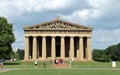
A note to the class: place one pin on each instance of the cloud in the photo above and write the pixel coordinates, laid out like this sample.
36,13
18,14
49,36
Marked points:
103,15
103,38
19,43
104,35
29,6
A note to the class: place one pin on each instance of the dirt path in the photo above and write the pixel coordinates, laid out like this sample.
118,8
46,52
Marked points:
61,66
57,67
6,69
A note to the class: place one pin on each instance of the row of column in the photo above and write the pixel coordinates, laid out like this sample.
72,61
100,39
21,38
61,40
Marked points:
71,55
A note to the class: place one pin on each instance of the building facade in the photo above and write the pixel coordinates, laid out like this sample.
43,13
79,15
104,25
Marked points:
57,39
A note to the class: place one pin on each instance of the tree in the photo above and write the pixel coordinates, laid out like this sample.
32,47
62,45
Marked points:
113,52
99,55
19,55
110,53
6,38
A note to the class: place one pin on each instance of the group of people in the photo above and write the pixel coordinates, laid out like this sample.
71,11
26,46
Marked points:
59,61
56,61
44,63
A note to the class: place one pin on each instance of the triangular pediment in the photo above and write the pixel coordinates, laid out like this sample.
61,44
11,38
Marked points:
57,25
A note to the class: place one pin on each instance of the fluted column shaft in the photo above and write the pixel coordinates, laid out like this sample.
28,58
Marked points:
26,48
34,50
44,47
53,47
72,47
81,47
89,55
62,47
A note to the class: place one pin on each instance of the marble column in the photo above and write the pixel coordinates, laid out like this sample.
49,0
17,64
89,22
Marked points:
72,47
34,50
53,47
81,47
26,57
62,54
43,47
89,55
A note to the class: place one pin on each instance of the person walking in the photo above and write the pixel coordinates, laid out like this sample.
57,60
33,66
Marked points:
51,63
44,64
36,63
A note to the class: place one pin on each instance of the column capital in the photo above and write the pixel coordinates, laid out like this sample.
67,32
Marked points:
72,36
26,36
34,36
53,36
44,36
80,36
62,36
89,37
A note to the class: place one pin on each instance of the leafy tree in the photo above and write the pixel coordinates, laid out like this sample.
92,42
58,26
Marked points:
20,53
99,55
113,52
110,53
6,38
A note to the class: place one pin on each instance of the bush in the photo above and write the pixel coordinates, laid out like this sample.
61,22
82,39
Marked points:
102,59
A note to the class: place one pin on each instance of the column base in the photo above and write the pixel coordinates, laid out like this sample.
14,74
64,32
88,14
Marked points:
66,59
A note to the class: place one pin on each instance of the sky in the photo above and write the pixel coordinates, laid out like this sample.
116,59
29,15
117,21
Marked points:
102,15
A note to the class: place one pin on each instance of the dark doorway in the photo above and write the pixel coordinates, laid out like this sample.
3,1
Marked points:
85,46
48,45
76,46
58,46
30,47
67,46
39,46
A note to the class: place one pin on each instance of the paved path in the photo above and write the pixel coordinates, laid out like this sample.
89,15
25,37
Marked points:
61,66
10,69
6,69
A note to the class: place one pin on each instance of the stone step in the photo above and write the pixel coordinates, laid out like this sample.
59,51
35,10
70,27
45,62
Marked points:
61,66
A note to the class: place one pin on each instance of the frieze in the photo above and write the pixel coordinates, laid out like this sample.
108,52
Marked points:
57,25
54,31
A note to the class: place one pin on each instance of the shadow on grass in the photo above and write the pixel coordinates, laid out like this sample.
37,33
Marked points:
9,63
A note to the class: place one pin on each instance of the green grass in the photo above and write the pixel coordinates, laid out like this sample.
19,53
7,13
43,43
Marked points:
94,65
78,68
61,72
20,64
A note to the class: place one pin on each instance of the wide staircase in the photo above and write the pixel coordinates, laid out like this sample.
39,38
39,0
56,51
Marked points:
61,66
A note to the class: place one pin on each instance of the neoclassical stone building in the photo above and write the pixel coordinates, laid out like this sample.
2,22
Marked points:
57,39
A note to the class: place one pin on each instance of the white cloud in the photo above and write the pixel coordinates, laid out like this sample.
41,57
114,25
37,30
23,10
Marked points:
102,14
104,35
103,38
97,3
19,42
13,7
84,16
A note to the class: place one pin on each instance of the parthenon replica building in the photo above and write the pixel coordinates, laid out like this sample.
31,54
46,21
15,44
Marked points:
58,39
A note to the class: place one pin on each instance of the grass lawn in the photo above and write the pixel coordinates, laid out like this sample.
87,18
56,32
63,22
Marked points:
94,65
78,68
20,64
61,72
